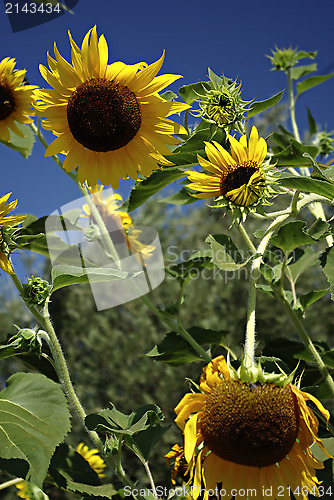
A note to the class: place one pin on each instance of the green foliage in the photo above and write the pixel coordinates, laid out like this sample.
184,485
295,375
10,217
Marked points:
33,415
22,145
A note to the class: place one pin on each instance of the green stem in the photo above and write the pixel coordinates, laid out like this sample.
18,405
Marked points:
292,102
12,482
307,341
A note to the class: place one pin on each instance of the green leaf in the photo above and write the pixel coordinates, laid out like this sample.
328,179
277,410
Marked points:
182,197
65,275
312,126
34,419
169,95
259,106
192,92
291,235
225,254
303,260
145,440
112,420
174,350
299,71
311,297
327,264
301,54
22,145
192,266
311,82
307,185
143,190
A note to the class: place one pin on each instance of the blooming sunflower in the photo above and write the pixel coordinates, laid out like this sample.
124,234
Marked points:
109,209
15,99
5,220
238,177
110,120
92,457
249,436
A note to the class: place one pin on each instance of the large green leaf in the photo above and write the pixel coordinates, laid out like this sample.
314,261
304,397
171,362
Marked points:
22,145
312,81
34,419
259,106
182,197
299,71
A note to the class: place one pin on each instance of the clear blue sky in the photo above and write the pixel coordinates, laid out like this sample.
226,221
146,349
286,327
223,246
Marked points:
230,37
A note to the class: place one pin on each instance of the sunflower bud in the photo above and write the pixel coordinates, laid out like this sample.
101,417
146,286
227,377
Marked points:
36,291
325,141
221,104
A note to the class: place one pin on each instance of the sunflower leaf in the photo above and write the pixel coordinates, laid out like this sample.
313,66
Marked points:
299,71
311,82
174,350
327,264
291,235
34,418
307,185
182,197
225,254
143,190
192,92
65,275
259,106
22,145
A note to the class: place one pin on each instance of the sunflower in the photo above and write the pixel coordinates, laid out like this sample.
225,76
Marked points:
238,177
15,99
249,436
109,120
92,457
109,209
11,221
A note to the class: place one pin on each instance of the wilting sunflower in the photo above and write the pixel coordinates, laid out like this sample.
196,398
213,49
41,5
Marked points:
109,119
15,99
238,177
249,436
119,220
7,221
93,458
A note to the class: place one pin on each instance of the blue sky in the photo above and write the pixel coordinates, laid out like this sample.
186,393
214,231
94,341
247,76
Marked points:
229,37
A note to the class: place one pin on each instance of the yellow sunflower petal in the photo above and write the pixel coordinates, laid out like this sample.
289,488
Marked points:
191,403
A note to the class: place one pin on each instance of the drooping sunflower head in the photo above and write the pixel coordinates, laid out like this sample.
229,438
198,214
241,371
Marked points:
7,229
109,119
238,179
93,458
16,99
246,434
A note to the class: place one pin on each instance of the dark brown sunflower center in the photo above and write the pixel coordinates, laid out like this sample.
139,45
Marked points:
7,103
103,115
237,178
253,425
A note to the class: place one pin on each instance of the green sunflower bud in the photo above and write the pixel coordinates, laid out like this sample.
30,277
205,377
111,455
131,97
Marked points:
36,291
325,141
284,59
221,104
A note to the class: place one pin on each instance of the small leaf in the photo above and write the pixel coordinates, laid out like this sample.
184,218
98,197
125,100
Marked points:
327,264
257,107
225,254
143,190
169,95
182,197
307,185
303,260
312,126
174,350
192,92
299,71
291,235
311,82
22,145
311,297
34,419
65,275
